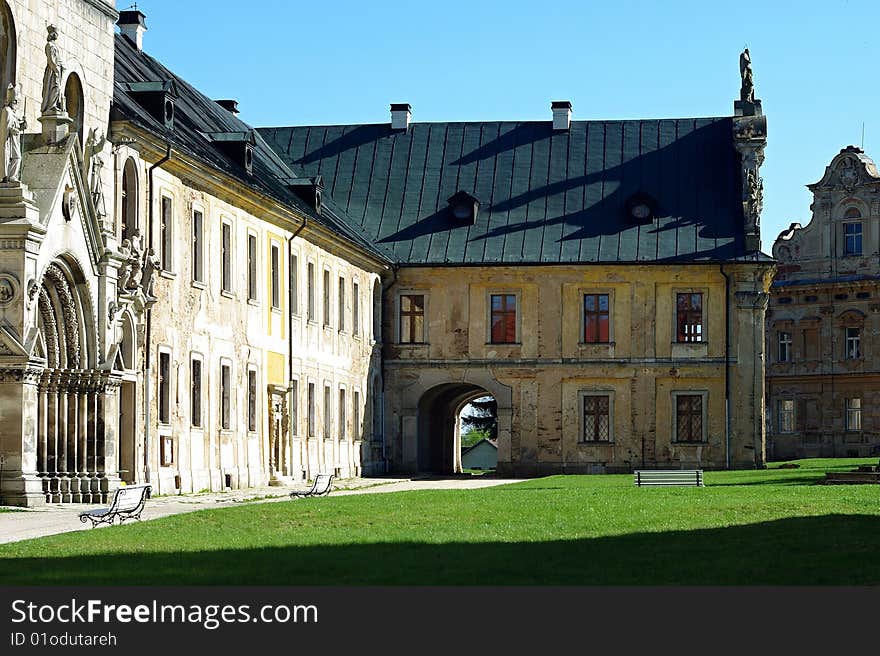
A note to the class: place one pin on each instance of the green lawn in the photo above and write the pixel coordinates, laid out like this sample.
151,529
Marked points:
771,527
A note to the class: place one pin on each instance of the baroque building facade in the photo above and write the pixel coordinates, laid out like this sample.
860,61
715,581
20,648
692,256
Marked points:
823,372
191,302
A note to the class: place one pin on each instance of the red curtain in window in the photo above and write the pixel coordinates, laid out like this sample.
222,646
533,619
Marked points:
596,317
503,318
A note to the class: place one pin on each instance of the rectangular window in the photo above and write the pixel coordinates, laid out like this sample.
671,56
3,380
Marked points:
252,400
786,416
167,451
328,413
356,415
342,417
597,418
784,340
412,319
596,318
341,303
164,388
294,284
225,383
689,317
355,309
854,414
689,417
276,276
252,267
166,218
226,257
310,282
198,272
503,319
294,407
326,290
852,234
196,392
853,343
311,409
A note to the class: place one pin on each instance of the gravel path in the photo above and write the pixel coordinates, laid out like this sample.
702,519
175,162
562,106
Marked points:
63,518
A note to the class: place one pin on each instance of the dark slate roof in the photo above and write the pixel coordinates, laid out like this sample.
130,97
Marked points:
195,115
545,196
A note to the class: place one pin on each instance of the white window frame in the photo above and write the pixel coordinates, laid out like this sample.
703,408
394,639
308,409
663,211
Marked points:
255,370
230,290
225,362
861,236
704,314
853,414
195,356
275,271
166,232
784,346
252,284
849,342
198,243
328,410
294,280
789,426
163,350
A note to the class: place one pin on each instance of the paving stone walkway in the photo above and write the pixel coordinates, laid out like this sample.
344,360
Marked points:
64,517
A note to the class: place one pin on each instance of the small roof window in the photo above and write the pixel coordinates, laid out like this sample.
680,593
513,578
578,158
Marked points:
464,207
641,208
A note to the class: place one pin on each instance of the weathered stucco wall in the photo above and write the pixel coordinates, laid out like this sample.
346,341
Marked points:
538,381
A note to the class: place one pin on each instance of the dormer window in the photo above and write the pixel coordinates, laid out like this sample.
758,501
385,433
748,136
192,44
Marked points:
641,208
309,190
464,208
157,98
237,146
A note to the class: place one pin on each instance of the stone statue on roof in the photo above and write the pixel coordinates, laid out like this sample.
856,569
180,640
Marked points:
11,127
53,97
747,90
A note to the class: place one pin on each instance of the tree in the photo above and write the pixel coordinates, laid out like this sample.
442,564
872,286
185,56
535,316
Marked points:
481,415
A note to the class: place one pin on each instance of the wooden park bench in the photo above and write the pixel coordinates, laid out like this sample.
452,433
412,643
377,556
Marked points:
644,477
320,487
128,503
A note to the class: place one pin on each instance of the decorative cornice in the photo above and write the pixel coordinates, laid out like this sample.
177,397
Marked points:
104,8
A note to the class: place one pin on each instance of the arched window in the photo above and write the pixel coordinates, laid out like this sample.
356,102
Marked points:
7,48
852,213
129,200
73,95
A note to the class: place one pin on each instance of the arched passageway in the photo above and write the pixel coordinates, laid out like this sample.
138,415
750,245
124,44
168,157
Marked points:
439,433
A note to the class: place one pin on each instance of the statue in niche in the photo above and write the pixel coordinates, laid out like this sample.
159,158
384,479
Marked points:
53,97
151,266
747,90
11,127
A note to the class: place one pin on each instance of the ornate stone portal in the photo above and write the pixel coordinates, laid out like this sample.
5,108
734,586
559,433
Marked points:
279,451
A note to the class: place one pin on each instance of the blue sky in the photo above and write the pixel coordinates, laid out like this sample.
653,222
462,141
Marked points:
290,63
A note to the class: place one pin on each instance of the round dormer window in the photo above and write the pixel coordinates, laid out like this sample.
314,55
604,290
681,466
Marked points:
641,212
461,211
169,111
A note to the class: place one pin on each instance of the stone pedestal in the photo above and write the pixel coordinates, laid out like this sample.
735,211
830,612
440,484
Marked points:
746,108
19,483
56,127
17,202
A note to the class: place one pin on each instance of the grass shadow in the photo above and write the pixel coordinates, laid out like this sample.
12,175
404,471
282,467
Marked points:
833,549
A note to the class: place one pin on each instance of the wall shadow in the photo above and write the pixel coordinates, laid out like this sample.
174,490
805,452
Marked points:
821,550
